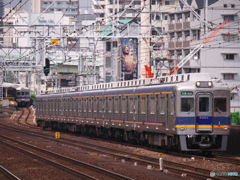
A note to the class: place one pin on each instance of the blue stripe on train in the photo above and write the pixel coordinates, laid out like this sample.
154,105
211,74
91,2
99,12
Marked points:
191,120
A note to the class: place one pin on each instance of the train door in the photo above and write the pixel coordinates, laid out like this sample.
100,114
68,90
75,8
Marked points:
143,108
84,105
167,111
124,113
116,108
170,112
95,108
109,110
204,120
152,108
89,108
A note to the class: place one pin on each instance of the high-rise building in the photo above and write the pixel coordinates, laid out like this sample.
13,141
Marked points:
35,6
64,6
220,56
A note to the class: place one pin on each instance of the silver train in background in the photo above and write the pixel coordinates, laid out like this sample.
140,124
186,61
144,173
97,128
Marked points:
23,96
188,112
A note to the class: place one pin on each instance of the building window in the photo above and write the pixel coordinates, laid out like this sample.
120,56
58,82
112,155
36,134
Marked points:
73,9
172,20
196,56
108,46
165,17
171,37
228,76
108,62
102,15
59,10
169,2
137,2
108,77
179,36
187,35
45,2
114,43
187,17
110,1
232,5
179,18
231,17
110,10
186,52
179,54
196,34
229,56
225,5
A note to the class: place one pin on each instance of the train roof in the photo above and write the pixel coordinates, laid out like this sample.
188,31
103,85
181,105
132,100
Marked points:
168,83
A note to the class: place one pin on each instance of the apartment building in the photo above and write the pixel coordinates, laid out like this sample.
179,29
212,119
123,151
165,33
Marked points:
105,9
64,6
221,55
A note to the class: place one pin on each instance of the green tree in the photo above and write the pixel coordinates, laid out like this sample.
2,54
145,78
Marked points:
235,118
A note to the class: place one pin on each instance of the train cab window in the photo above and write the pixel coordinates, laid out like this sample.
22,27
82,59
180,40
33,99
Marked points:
131,105
18,93
203,104
110,105
95,105
143,105
124,105
220,104
162,105
22,93
89,105
116,105
187,104
152,105
27,93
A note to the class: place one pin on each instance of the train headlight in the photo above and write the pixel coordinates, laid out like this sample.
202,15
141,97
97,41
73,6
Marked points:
209,84
198,84
225,128
182,128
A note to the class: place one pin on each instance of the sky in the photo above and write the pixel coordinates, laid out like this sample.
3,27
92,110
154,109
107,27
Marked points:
84,4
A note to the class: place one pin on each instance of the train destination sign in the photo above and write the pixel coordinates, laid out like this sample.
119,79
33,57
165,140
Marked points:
186,93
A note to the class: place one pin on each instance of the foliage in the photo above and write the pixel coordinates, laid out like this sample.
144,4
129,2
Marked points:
235,118
33,96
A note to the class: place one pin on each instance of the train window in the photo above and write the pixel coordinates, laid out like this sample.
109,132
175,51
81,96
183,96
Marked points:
80,105
220,104
22,93
27,93
84,105
172,105
131,107
110,105
124,105
116,105
56,105
203,104
89,105
152,105
187,104
143,105
18,93
95,105
100,104
162,105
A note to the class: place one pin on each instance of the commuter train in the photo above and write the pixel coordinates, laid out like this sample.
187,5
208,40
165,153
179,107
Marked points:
188,112
23,96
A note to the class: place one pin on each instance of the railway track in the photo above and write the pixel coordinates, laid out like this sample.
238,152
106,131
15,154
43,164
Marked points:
172,166
95,169
8,174
179,168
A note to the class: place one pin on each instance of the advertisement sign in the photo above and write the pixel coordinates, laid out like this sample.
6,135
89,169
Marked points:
129,59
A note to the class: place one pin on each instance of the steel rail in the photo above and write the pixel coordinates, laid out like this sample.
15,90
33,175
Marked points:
80,163
9,175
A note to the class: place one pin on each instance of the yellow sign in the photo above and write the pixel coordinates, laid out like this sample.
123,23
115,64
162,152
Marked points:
57,134
54,41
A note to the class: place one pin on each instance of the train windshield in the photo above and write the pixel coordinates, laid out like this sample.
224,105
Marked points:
187,104
18,93
203,104
220,104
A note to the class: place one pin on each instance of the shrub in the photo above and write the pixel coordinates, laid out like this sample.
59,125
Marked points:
33,96
235,118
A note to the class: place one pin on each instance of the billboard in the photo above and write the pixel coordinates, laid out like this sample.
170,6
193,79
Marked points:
129,58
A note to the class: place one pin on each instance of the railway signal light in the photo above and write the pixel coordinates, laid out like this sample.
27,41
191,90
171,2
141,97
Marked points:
46,68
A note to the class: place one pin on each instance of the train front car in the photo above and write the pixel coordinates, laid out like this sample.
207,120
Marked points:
23,96
203,119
